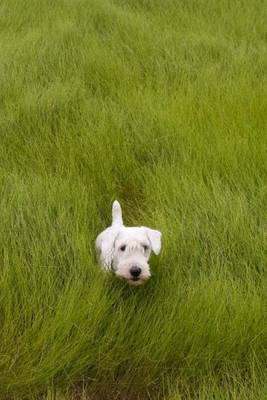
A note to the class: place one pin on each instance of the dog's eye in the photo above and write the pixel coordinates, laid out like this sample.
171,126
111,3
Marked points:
145,247
123,247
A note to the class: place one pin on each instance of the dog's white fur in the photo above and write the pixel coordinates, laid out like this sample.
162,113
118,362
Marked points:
121,248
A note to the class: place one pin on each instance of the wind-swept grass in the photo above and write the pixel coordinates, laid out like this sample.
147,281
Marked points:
161,105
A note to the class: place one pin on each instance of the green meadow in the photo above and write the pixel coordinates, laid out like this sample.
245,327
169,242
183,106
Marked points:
161,104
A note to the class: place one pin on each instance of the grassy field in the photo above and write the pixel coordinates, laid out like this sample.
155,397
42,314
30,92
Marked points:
161,104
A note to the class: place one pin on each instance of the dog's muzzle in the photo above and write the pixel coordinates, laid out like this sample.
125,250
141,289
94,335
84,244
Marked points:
135,271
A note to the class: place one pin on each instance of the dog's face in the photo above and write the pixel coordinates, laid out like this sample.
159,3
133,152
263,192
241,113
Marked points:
132,249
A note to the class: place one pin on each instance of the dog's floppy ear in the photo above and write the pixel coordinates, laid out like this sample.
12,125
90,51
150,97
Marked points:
154,238
105,246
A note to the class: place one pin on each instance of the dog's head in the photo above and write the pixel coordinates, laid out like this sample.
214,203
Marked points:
127,250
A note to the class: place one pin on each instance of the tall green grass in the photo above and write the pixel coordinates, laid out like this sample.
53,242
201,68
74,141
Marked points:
161,105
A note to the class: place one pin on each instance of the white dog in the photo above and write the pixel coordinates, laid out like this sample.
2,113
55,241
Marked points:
126,250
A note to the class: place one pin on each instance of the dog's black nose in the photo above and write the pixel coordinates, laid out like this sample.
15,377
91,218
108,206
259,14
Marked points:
135,271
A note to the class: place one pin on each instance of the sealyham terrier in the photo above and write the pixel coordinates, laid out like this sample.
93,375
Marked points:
126,250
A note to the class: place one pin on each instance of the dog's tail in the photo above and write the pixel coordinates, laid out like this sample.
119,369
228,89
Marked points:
116,214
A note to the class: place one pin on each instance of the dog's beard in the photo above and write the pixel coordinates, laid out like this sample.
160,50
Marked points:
123,271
